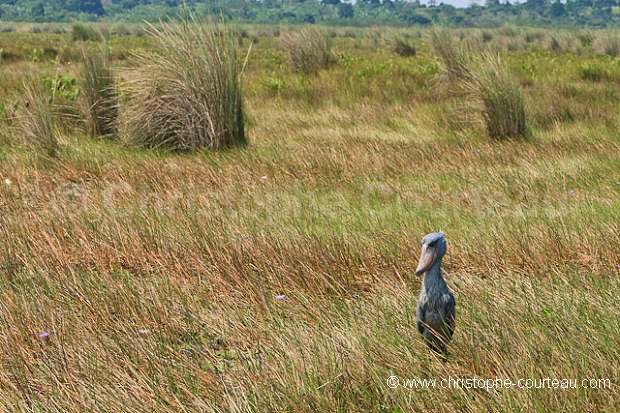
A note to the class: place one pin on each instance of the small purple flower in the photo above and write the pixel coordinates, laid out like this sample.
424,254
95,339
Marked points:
377,177
280,297
44,336
571,192
618,267
143,332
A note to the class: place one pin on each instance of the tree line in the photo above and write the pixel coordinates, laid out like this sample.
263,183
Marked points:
591,13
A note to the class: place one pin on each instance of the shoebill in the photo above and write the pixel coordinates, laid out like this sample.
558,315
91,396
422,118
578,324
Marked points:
436,306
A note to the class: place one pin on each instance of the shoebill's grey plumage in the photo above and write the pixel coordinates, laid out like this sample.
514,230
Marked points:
436,306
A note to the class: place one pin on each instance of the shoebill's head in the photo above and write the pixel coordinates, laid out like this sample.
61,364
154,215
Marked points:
433,249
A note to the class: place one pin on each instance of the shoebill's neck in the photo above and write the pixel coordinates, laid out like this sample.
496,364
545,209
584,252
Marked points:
433,278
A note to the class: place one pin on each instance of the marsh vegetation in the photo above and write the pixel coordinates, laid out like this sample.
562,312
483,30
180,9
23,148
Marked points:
279,275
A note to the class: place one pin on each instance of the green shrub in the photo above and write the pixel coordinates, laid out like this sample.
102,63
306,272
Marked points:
99,93
309,49
276,84
60,89
500,97
189,95
84,32
592,71
402,46
120,30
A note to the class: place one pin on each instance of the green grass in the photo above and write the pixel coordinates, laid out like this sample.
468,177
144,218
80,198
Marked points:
309,49
35,118
343,174
86,32
500,97
452,51
98,90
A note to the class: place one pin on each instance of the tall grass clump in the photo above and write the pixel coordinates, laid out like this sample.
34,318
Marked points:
309,49
608,44
402,45
84,32
452,51
188,96
563,43
98,91
35,118
586,37
500,97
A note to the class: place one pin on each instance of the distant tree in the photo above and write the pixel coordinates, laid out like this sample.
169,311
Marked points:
389,5
287,15
447,12
37,9
583,3
412,17
331,2
345,11
578,10
557,9
86,6
537,6
603,8
494,6
604,4
309,18
247,12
